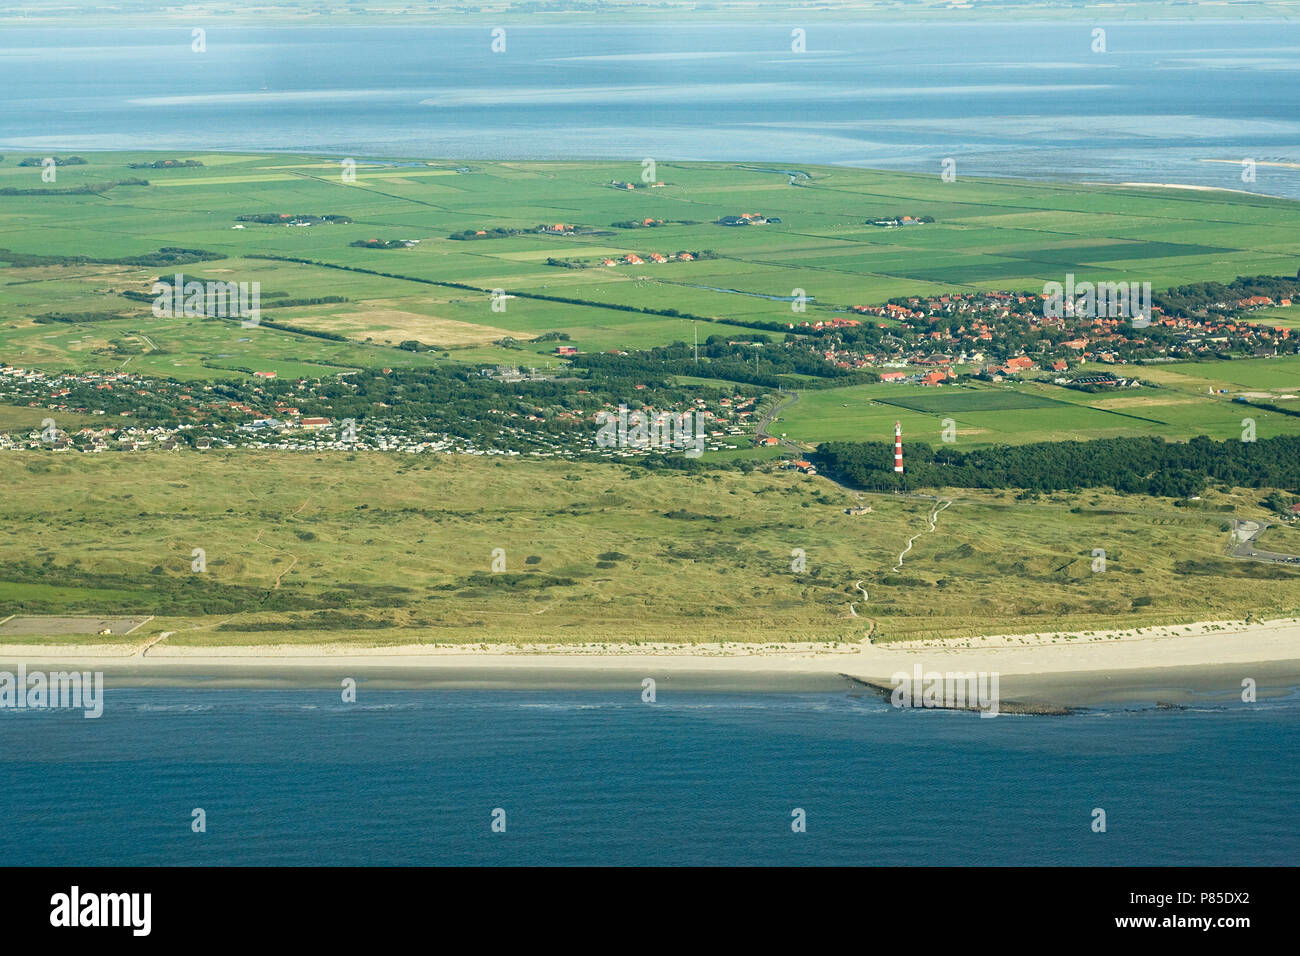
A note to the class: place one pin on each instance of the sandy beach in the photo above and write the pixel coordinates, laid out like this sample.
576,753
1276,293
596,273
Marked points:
1173,663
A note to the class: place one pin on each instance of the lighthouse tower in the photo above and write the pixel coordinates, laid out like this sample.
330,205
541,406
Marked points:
898,447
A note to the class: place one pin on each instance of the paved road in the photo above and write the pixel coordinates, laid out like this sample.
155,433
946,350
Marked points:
788,399
1244,533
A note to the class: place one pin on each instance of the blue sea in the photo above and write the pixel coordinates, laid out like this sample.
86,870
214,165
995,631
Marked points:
1025,98
599,777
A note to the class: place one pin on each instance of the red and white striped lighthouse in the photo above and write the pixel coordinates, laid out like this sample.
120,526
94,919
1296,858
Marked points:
898,447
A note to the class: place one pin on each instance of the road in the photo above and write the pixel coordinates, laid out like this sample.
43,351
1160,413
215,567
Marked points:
788,399
1245,533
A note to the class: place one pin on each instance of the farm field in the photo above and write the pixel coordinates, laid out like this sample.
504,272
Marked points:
384,549
1025,412
1277,375
1284,317
987,235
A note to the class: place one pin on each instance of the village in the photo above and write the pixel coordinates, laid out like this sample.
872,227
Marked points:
1004,334
169,416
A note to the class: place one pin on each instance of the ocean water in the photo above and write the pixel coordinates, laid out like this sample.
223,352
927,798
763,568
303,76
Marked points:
1009,99
598,777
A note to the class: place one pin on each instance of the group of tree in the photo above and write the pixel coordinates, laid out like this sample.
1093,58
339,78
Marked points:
88,189
892,220
166,257
58,161
651,223
1140,465
75,318
380,244
496,233
1204,297
761,363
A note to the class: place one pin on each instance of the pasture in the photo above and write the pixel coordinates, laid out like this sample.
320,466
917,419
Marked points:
988,234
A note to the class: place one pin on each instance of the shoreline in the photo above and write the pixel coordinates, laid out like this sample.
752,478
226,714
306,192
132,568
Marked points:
1172,664
616,157
1189,186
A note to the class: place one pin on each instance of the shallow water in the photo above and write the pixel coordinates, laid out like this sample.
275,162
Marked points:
1020,99
599,777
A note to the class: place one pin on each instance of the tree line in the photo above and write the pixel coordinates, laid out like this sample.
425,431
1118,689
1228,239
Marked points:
1139,465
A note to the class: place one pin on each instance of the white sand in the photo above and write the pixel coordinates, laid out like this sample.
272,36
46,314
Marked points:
1223,643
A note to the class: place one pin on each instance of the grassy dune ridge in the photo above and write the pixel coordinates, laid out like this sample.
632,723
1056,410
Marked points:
383,549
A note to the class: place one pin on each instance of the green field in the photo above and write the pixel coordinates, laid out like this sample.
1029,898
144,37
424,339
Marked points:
988,235
1036,411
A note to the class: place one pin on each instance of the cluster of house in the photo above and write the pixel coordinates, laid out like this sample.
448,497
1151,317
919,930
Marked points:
1106,380
386,243
620,184
994,304
262,423
37,389
747,219
826,324
1261,302
512,373
722,424
632,259
899,221
1099,339
88,439
279,425
938,377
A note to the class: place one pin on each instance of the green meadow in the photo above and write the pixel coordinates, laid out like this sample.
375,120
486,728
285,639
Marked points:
988,234
1179,406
